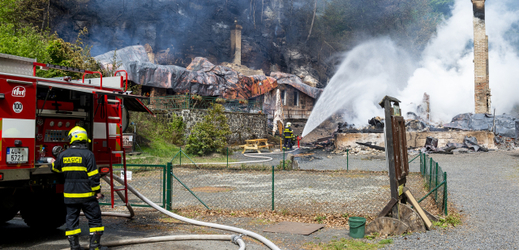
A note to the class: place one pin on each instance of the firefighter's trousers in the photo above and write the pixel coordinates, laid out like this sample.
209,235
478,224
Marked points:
92,213
287,143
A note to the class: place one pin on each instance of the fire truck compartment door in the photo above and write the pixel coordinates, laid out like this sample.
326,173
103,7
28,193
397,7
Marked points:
131,102
134,104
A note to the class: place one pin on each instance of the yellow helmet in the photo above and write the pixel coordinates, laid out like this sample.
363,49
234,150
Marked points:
78,133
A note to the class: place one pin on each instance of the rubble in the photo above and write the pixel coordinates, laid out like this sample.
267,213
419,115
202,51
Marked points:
469,143
376,122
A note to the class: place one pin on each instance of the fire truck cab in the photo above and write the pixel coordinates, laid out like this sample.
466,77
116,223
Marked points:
36,115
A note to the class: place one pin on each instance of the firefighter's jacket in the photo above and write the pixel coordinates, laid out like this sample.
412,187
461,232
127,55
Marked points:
288,134
78,166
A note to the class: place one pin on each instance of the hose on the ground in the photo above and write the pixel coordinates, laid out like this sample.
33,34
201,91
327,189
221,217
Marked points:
231,238
256,236
252,155
236,239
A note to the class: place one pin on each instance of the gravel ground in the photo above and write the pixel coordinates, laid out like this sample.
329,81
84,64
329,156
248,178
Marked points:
485,188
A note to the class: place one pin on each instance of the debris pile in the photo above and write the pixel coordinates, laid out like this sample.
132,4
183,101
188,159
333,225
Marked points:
470,144
325,143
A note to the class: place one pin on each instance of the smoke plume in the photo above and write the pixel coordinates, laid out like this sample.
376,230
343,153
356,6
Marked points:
445,70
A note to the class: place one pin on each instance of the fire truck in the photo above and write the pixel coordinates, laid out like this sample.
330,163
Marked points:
35,117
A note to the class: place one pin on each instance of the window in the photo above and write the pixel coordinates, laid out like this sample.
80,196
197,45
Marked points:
284,97
296,98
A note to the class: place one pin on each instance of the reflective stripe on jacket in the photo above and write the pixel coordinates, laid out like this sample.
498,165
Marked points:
288,133
80,171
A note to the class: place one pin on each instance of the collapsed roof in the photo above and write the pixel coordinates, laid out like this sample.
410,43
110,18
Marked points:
200,77
504,124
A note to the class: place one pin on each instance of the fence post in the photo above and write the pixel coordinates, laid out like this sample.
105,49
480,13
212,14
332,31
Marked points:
164,187
421,162
283,158
445,194
272,187
180,157
169,172
436,193
347,159
227,157
430,172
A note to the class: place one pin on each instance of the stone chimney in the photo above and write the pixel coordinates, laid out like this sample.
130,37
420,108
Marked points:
236,42
481,79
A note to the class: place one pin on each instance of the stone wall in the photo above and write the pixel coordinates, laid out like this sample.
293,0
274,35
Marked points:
243,126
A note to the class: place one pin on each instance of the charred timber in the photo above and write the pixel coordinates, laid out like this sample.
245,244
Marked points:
371,146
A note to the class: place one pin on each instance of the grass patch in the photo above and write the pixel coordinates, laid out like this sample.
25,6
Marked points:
452,220
348,244
162,153
320,218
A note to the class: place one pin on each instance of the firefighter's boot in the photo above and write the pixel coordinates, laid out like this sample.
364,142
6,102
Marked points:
74,242
95,242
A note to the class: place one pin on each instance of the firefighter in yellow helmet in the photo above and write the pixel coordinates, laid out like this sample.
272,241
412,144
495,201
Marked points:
288,137
82,188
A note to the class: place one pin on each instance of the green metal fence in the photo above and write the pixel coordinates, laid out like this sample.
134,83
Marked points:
265,187
150,180
435,180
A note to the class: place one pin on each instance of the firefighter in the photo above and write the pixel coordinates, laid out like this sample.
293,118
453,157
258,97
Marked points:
288,136
82,188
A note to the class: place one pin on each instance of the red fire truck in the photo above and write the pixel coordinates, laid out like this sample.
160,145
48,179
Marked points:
35,117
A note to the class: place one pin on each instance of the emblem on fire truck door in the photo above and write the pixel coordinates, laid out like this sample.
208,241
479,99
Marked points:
18,91
17,107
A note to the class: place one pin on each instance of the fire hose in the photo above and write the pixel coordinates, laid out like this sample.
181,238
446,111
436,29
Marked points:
234,238
251,155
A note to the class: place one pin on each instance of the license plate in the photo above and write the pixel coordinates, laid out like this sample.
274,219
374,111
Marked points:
17,155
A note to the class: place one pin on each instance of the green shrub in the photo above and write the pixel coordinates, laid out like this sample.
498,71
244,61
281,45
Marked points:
209,135
175,129
158,130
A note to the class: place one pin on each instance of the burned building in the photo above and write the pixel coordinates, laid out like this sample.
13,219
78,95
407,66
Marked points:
297,98
204,78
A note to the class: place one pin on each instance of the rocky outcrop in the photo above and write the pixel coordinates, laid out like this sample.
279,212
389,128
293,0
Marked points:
178,31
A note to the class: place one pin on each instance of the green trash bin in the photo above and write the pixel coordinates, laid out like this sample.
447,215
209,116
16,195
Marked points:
357,227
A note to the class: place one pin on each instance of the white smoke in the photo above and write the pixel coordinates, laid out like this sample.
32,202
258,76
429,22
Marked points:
446,71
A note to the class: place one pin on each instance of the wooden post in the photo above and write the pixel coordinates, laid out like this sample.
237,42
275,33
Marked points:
390,158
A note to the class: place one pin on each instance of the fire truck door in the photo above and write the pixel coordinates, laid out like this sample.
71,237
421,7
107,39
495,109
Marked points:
107,110
17,122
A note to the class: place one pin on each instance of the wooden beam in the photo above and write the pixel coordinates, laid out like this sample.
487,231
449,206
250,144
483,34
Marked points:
387,208
419,209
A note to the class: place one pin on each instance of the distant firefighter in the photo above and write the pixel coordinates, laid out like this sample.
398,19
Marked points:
288,136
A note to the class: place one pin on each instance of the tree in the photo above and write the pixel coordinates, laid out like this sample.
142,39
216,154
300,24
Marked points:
24,32
209,135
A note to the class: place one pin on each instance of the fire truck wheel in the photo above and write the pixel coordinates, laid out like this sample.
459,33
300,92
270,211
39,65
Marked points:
8,209
44,210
